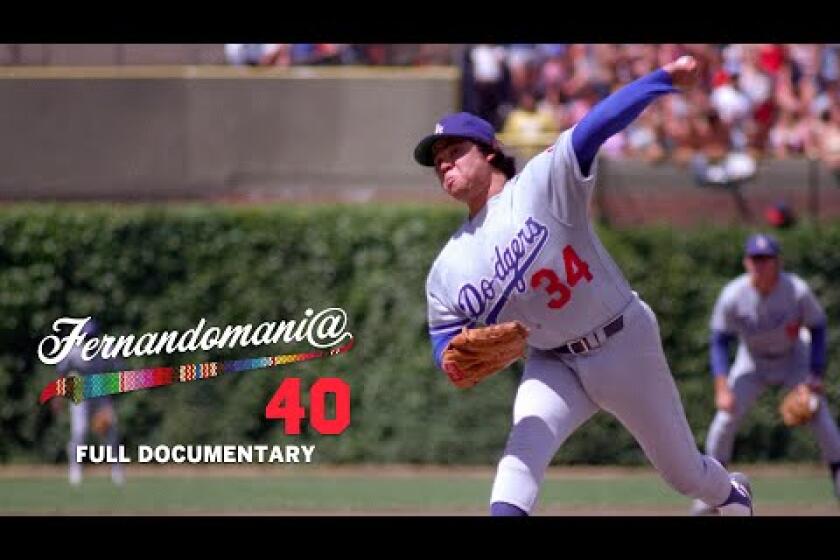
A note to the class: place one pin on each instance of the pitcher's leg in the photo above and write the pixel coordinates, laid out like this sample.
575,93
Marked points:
642,394
550,404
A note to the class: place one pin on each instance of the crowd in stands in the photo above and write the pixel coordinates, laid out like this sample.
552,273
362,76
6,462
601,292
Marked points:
754,100
318,54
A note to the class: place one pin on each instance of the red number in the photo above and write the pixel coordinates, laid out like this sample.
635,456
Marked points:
554,286
341,390
575,268
285,405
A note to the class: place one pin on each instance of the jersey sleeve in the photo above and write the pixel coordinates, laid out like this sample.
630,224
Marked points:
721,320
813,314
572,187
553,180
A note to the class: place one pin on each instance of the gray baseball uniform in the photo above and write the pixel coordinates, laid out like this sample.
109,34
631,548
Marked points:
82,412
532,255
770,352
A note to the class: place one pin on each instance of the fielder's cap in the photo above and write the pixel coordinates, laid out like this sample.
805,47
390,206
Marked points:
455,125
762,245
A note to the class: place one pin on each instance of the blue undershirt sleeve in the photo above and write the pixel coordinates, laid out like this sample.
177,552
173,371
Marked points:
719,352
439,343
818,356
615,112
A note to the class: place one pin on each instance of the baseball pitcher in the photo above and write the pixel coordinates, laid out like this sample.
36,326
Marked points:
526,274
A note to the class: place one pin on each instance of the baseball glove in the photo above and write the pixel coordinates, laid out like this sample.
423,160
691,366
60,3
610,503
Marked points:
101,421
799,405
474,354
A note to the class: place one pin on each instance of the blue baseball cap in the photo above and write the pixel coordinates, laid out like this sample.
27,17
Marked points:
762,245
456,125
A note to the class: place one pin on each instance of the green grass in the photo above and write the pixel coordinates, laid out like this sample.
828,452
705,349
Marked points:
159,494
238,495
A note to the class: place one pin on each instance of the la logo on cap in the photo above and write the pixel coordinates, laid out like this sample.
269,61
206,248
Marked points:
438,128
762,242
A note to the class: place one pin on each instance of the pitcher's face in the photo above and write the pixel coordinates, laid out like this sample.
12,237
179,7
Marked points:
462,168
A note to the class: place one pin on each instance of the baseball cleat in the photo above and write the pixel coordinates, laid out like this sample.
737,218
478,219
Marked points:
740,500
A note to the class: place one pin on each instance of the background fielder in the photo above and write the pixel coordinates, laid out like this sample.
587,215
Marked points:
96,415
528,253
764,309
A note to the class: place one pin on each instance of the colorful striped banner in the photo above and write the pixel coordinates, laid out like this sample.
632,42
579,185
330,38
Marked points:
78,388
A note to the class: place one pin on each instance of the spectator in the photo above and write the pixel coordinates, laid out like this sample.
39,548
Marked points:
581,71
253,54
830,67
487,63
786,89
527,128
677,130
643,137
552,104
752,90
758,87
733,56
279,54
373,54
771,58
826,135
789,135
729,102
553,73
715,161
523,67
581,104
433,55
710,135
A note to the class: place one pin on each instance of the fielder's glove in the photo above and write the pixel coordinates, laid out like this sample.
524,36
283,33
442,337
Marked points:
474,354
101,421
799,405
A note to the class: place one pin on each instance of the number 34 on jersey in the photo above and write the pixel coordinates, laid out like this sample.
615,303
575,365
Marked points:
550,282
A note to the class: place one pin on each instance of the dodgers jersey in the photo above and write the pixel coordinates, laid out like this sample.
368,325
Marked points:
767,326
530,255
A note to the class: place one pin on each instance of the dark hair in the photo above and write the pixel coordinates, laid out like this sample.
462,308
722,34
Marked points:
504,163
